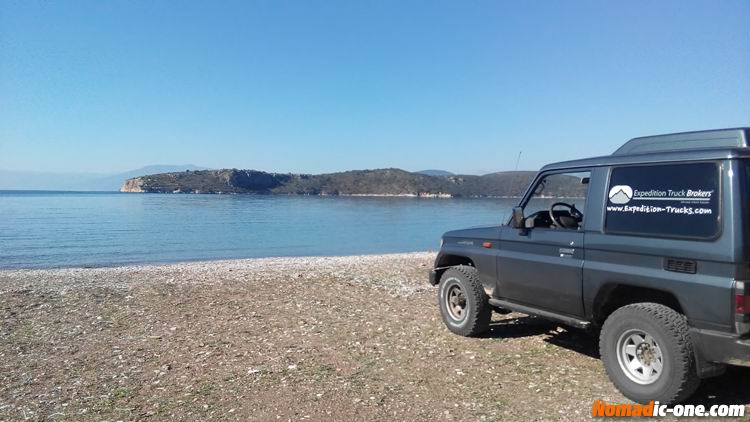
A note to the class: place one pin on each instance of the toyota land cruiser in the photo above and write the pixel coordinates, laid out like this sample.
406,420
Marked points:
649,246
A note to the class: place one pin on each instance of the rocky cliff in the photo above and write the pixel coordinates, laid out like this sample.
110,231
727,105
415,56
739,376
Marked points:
133,185
208,181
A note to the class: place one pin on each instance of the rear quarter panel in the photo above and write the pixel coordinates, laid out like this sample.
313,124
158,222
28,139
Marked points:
705,297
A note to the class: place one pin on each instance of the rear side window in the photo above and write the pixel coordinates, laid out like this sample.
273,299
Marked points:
676,200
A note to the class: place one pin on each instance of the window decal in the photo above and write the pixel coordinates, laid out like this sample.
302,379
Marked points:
676,200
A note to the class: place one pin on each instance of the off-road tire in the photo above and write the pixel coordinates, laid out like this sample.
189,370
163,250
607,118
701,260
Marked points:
477,313
669,329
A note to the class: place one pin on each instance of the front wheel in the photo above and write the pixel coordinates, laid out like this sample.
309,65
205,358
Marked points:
463,303
648,354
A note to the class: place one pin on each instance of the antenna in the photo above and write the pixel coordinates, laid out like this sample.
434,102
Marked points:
518,159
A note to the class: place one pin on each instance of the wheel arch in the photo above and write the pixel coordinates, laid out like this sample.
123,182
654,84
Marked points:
445,261
613,296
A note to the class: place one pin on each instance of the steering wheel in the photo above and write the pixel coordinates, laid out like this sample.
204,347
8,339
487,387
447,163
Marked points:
563,220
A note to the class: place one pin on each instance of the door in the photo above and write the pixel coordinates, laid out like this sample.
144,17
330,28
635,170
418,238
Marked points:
542,265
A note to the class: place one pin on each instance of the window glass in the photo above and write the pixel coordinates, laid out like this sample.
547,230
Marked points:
569,188
675,200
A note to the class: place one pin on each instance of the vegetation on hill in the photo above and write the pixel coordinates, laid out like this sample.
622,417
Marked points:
355,182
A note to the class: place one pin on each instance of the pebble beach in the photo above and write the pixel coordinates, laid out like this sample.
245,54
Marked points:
309,338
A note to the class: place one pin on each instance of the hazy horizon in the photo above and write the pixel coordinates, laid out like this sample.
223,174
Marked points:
12,180
191,166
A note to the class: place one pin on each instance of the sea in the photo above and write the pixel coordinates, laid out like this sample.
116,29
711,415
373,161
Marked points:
93,229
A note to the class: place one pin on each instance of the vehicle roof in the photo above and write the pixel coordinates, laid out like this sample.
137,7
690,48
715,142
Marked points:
716,144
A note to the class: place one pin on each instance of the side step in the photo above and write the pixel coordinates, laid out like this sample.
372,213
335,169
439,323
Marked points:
565,319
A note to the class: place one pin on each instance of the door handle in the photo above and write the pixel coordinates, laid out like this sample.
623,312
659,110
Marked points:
566,252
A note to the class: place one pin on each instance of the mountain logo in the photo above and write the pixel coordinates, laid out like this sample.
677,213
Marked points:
620,194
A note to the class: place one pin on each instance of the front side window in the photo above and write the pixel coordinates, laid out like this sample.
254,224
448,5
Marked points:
558,200
674,200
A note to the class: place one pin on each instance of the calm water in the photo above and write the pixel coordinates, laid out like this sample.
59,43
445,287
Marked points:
54,229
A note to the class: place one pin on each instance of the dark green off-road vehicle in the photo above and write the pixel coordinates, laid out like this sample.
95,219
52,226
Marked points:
650,246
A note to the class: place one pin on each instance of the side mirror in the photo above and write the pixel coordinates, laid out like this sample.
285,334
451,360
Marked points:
517,220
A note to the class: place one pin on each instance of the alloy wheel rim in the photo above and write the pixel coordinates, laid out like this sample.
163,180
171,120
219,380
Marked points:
455,303
640,356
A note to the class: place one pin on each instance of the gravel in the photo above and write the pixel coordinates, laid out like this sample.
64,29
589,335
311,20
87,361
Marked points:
314,338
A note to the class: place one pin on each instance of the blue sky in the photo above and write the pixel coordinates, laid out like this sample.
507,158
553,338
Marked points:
318,86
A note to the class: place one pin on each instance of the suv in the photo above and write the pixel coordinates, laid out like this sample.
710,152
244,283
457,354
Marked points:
649,246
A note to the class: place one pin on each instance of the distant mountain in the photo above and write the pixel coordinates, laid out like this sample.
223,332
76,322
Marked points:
386,182
436,173
29,180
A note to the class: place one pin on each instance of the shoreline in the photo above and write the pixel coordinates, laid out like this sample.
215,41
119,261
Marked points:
395,270
145,264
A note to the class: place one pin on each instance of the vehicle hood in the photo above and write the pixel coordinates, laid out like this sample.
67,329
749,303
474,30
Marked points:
478,232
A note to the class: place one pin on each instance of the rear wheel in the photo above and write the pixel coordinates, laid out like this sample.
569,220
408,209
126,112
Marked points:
648,354
463,302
